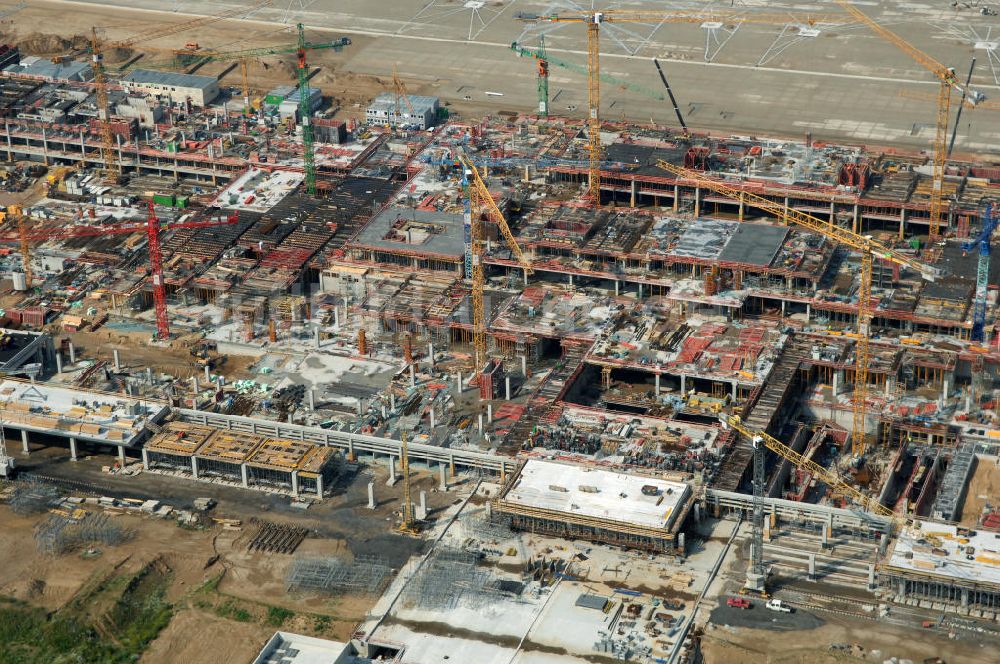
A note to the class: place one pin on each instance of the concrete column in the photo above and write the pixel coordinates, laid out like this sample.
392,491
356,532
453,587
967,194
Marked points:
640,291
316,337
524,365
194,467
506,384
208,374
194,384
72,353
681,544
312,398
371,495
697,512
458,383
118,361
392,401
825,537
443,485
58,362
430,352
677,196
632,197
24,442
617,287
361,406
812,567
480,423
735,388
413,375
422,510
945,385
245,475
808,312
838,378
149,375
350,449
145,459
392,471
431,415
295,483
965,596
683,384
336,318
871,577
656,389
489,412
319,487
72,449
697,201
570,278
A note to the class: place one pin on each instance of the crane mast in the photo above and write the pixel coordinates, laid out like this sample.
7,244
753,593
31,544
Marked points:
305,115
867,247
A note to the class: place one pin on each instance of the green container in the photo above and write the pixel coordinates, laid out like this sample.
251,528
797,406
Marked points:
164,199
182,202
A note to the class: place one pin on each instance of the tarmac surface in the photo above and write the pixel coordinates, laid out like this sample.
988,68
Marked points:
838,80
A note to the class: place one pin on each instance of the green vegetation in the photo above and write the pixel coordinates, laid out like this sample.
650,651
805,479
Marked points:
111,620
277,615
230,609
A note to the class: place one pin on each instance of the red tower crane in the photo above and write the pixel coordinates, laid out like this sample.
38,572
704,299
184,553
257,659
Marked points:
152,228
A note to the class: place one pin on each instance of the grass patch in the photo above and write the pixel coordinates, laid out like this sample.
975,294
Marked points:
230,609
277,615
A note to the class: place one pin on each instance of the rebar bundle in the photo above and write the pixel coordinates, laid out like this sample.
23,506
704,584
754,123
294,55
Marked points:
31,496
452,578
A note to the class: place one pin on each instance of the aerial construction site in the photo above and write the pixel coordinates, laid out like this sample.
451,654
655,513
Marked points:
503,332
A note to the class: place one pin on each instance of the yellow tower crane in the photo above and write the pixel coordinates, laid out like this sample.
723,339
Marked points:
112,169
593,21
401,94
866,246
482,204
946,75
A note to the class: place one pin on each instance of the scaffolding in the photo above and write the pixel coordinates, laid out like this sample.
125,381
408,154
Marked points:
951,493
31,495
367,575
59,534
452,578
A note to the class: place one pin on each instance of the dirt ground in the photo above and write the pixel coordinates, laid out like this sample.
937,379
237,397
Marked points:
217,587
985,485
722,645
36,31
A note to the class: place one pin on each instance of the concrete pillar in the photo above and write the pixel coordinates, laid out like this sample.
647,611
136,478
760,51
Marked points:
149,375
617,288
295,483
945,385
118,361
361,406
683,384
194,384
681,544
808,312
489,412
965,594
825,537
838,378
392,401
413,375
734,392
72,449
697,513
656,389
194,467
480,423
871,577
72,353
458,383
443,485
632,197
812,567
316,337
524,365
312,398
422,509
58,362
145,459
570,279
24,442
371,495
430,352
431,415
319,487
245,475
506,385
208,374
392,471
336,318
